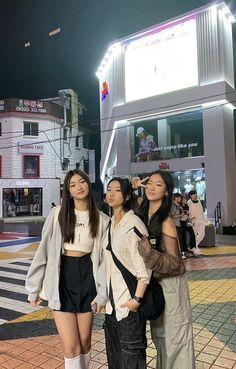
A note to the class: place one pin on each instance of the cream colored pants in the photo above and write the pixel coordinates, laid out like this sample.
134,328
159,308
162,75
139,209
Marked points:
199,231
172,332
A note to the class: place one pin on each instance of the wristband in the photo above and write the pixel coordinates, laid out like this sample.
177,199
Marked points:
138,299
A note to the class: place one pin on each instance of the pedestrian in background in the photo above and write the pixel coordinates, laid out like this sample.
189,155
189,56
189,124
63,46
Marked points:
186,228
176,213
66,265
196,215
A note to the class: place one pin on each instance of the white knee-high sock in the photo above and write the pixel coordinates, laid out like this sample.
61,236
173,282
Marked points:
74,362
87,358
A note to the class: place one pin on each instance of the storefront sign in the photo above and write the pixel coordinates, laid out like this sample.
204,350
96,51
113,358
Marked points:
104,90
164,165
29,147
23,183
30,106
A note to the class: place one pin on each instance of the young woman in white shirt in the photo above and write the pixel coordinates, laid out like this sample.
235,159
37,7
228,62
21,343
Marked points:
125,328
66,263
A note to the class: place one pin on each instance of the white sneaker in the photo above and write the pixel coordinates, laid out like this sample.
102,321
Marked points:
183,255
196,251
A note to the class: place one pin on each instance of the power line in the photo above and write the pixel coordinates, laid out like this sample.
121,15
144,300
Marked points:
210,109
164,107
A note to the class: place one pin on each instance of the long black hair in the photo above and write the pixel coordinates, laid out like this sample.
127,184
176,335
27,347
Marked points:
67,218
154,226
126,190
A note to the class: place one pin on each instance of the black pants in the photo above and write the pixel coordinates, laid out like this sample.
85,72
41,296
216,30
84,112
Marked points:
126,341
179,234
185,229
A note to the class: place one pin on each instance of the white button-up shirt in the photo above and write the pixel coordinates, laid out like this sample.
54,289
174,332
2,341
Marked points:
124,244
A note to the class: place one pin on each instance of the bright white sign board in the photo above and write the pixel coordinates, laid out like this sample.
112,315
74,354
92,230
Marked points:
163,61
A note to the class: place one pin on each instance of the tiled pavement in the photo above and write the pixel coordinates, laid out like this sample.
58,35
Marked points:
28,337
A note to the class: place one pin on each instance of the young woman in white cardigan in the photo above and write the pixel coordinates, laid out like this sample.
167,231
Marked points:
66,265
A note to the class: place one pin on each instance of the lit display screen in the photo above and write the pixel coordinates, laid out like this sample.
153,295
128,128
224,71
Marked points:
161,62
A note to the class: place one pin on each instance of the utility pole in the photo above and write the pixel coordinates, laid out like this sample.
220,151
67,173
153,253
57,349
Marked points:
63,97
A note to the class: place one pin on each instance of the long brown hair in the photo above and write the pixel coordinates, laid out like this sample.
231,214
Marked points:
67,218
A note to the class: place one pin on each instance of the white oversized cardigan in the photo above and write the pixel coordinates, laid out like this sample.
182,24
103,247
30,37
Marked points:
45,267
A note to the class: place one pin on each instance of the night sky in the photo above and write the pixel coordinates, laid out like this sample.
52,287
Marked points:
70,59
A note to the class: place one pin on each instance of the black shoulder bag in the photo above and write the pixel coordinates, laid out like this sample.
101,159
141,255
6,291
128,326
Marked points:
153,299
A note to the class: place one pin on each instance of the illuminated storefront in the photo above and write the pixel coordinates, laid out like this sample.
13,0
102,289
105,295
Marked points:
167,100
20,197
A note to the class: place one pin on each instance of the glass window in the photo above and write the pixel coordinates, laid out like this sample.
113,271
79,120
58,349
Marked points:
31,166
176,136
31,129
185,181
22,201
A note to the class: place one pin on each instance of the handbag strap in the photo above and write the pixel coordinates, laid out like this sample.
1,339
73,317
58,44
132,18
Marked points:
128,277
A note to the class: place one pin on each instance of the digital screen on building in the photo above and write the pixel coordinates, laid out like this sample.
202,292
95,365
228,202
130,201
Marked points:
161,62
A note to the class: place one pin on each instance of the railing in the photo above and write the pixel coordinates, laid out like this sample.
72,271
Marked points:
217,215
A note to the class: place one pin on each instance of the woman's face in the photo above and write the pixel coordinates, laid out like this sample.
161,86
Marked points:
114,195
184,201
155,188
78,187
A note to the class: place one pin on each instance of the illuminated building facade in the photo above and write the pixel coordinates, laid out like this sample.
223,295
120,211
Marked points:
167,100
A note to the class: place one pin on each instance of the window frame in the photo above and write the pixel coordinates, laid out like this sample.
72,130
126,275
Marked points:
31,130
24,175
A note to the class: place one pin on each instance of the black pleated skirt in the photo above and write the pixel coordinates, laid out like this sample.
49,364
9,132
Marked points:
77,286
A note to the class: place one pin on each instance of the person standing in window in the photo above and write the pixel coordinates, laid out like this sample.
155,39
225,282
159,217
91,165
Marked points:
66,266
147,146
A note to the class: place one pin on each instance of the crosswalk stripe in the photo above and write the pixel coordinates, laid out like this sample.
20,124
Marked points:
21,307
18,267
12,274
13,296
12,287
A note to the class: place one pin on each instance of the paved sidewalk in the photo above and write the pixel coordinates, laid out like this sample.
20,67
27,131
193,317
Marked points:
30,340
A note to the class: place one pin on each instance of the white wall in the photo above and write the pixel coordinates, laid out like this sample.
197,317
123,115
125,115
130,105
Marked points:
49,136
220,164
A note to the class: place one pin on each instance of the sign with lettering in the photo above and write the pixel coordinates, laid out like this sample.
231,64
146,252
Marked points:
23,183
29,147
104,90
30,106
